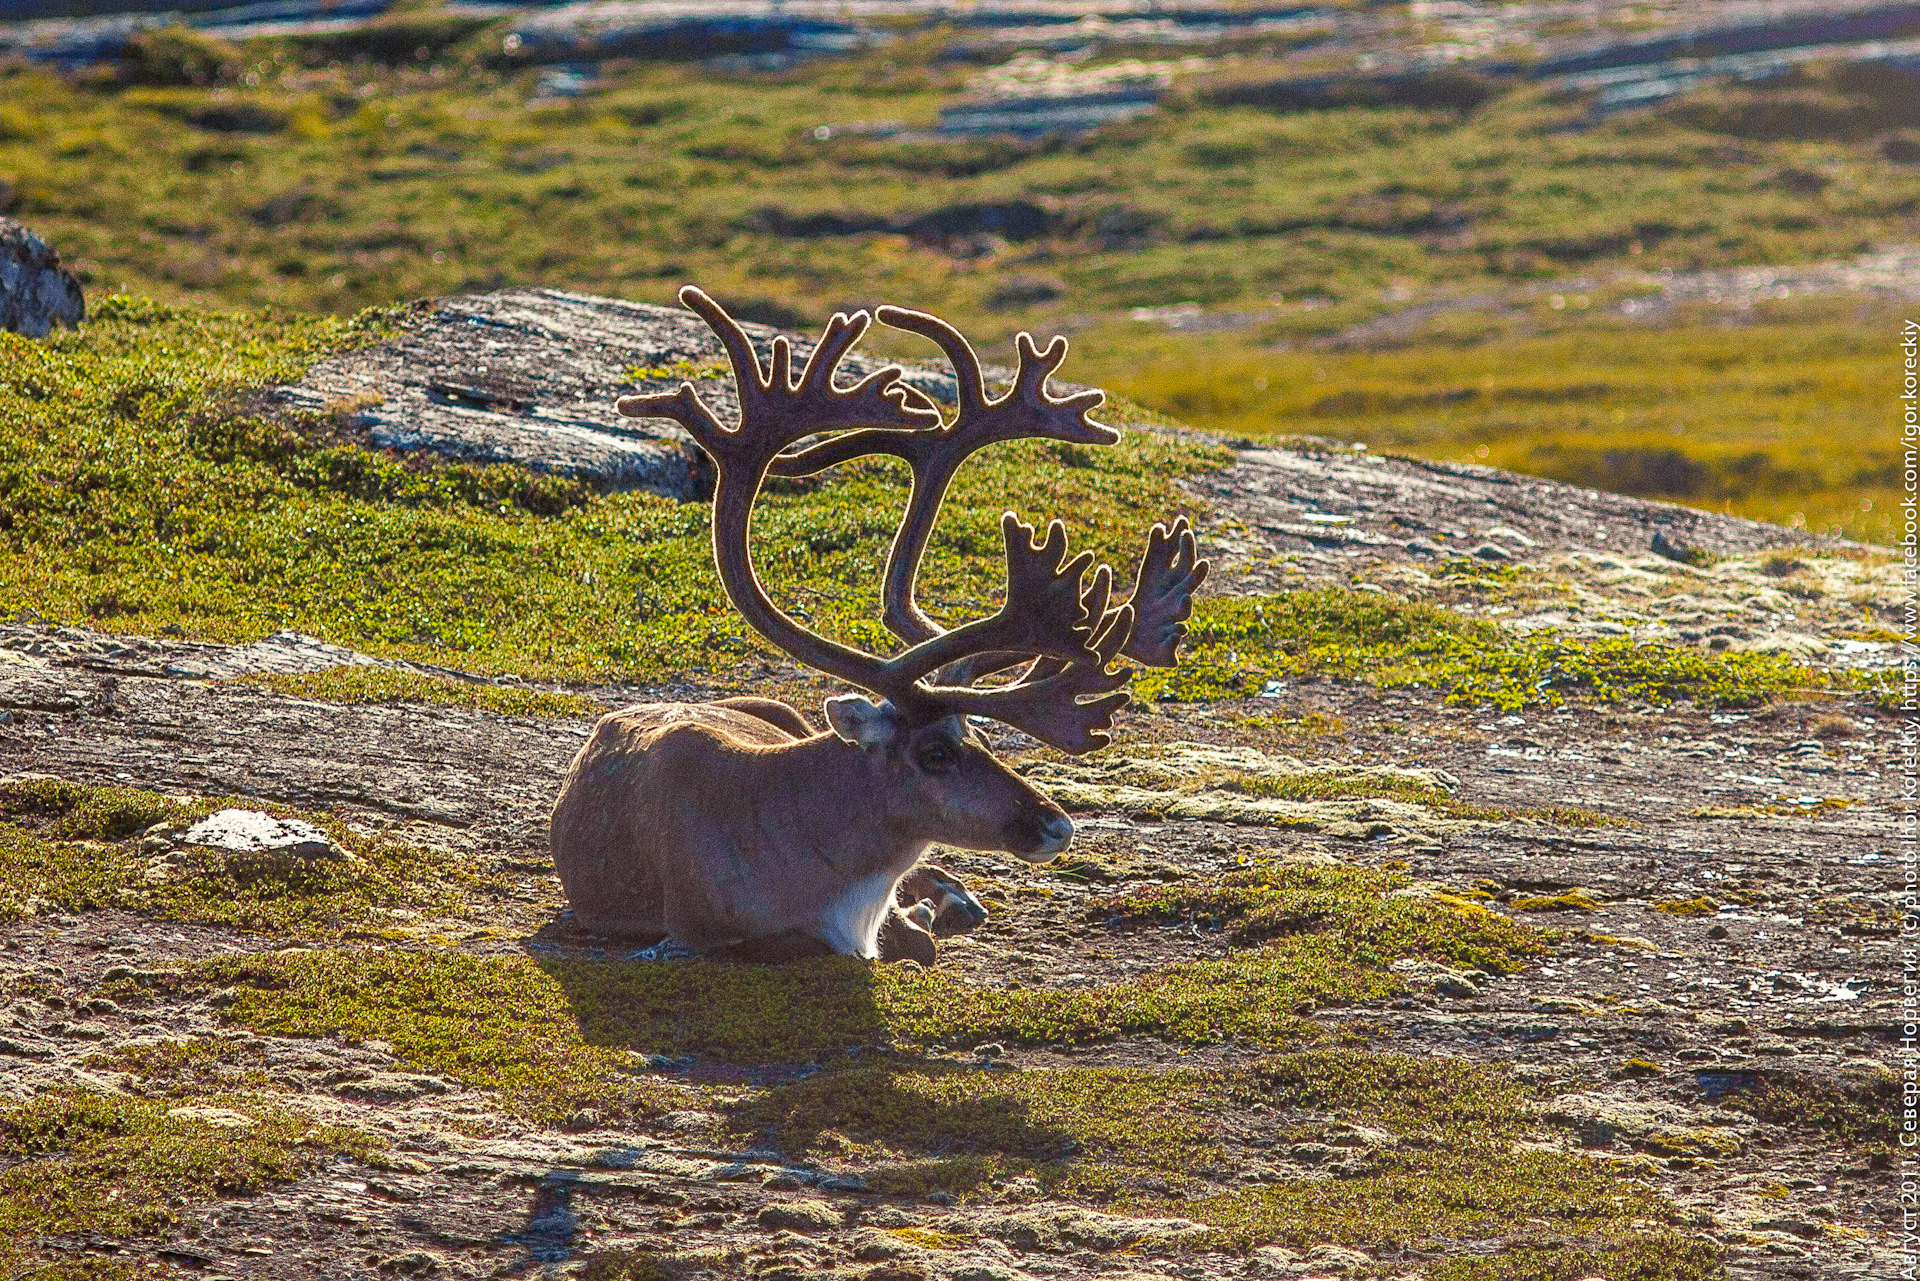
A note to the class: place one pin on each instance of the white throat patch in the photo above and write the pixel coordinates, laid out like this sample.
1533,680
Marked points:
851,922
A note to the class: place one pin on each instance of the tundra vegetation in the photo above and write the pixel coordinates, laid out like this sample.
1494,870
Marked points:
146,486
331,174
1220,1008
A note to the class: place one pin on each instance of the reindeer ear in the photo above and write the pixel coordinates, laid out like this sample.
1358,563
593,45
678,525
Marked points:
861,721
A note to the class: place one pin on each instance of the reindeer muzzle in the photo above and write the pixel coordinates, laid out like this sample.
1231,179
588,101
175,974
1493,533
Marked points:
1040,839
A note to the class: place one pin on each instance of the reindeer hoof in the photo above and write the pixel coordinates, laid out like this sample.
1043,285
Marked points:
664,950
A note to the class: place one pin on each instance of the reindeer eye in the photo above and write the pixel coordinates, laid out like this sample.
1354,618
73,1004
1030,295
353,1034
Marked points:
937,757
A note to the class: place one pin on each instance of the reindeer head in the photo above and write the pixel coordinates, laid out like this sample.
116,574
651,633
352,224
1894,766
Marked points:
1058,624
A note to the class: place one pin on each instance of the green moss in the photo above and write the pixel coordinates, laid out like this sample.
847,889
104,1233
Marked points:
563,1028
74,847
1663,1254
551,1044
86,811
641,1263
139,489
1237,645
1431,1150
1336,786
1575,900
362,684
1701,906
73,1162
1855,1106
1370,910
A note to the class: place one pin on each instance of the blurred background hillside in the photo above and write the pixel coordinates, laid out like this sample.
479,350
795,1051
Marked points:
1657,248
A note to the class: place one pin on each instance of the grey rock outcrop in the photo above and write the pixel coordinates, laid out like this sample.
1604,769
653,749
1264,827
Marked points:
36,291
530,376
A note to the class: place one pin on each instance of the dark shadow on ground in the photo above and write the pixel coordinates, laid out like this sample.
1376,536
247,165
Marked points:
745,1015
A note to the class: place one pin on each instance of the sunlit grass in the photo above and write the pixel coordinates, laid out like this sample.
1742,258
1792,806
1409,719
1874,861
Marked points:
1777,419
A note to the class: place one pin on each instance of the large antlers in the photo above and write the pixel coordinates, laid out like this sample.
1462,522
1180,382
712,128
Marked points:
1054,618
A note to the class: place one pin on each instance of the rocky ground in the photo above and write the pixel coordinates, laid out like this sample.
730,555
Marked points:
1705,1025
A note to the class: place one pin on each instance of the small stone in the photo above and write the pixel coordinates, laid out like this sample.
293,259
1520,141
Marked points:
36,291
1421,547
1491,551
252,832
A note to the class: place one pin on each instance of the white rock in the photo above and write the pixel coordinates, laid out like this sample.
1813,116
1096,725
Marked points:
252,832
36,291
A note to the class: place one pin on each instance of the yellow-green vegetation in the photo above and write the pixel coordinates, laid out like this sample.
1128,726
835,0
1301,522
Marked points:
1375,911
137,489
539,1040
78,1162
260,173
1699,906
1574,900
359,683
77,847
1245,786
1854,1106
564,1033
1772,419
1330,786
1238,644
1423,1150
330,172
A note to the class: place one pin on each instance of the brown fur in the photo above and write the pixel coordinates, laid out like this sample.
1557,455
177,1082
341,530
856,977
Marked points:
714,824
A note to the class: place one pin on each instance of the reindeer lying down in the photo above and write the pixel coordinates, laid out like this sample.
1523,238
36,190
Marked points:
734,825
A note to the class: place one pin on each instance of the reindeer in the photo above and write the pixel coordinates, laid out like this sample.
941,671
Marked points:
735,823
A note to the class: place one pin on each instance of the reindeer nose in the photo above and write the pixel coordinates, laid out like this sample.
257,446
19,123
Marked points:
1057,834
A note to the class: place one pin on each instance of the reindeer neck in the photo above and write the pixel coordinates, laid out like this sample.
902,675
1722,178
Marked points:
834,803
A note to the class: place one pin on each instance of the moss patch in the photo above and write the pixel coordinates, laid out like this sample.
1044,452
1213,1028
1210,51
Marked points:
75,847
1246,786
255,524
568,1033
1237,645
1379,913
1422,1150
363,684
77,1162
1855,1106
497,1023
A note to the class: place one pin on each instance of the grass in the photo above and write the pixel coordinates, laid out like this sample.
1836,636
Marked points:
367,182
1368,909
1427,1148
557,1035
332,173
75,847
1237,645
1771,418
138,488
79,1163
362,684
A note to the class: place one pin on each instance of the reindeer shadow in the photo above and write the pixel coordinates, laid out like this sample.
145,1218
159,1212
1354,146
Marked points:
734,1013
813,1033
935,1109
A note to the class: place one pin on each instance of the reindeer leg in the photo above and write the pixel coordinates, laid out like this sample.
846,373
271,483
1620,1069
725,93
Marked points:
955,910
904,935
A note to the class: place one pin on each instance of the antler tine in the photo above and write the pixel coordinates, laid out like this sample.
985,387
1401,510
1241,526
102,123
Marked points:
970,386
1048,706
775,412
1170,572
740,353
1042,614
